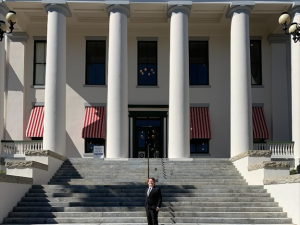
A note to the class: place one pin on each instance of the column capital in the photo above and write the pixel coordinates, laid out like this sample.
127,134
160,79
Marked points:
295,9
121,8
239,8
18,37
278,38
184,8
64,9
3,9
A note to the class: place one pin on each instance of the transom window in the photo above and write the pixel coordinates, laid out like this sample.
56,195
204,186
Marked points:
147,63
255,52
95,62
40,52
198,51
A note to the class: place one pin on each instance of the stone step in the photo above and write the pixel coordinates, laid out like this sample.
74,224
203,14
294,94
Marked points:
142,194
142,199
163,209
139,220
175,182
142,185
147,224
141,190
142,204
143,214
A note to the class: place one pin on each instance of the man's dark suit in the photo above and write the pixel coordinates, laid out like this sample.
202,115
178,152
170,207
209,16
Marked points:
152,202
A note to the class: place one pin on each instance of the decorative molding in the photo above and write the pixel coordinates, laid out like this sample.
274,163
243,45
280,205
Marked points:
185,8
283,180
122,7
236,7
258,104
95,38
278,38
147,38
86,104
58,7
15,179
18,37
40,38
252,153
45,153
200,105
37,103
25,164
282,165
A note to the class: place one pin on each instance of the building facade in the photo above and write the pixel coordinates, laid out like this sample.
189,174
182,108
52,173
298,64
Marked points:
184,79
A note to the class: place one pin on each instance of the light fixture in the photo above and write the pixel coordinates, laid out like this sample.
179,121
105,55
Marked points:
294,28
11,18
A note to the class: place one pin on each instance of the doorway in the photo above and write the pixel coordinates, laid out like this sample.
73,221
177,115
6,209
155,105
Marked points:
148,131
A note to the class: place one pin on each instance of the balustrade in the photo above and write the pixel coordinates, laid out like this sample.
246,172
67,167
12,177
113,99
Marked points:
19,147
277,148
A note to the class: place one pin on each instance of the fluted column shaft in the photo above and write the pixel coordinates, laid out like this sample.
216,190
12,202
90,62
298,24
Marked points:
117,94
55,88
241,138
179,113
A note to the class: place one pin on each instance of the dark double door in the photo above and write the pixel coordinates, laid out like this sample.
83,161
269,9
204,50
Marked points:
148,133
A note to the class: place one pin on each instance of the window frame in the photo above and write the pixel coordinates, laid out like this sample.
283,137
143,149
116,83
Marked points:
207,62
260,63
86,63
34,60
200,140
150,41
86,140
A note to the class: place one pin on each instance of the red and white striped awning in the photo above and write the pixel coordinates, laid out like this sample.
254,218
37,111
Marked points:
260,129
35,127
94,122
199,122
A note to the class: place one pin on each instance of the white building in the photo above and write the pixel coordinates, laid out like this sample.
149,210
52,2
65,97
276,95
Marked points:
117,73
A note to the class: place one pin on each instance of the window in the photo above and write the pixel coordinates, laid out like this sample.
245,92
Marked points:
147,63
91,142
198,51
95,62
40,50
255,56
199,145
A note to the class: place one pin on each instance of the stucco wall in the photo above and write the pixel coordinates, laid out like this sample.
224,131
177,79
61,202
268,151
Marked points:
217,94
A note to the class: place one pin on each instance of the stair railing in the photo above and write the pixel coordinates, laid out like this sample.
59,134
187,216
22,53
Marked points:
277,148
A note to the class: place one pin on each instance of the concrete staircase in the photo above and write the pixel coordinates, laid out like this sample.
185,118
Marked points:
96,191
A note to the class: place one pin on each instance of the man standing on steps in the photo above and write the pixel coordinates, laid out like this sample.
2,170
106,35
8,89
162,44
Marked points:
153,202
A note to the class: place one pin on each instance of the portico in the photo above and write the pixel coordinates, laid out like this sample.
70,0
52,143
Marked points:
227,92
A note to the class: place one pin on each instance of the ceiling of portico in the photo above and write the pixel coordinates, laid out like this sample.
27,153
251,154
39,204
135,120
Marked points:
202,14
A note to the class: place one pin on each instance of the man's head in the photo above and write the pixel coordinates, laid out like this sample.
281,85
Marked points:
151,181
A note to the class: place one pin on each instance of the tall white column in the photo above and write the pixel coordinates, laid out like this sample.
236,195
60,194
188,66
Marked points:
3,12
241,137
179,113
295,86
55,88
117,84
